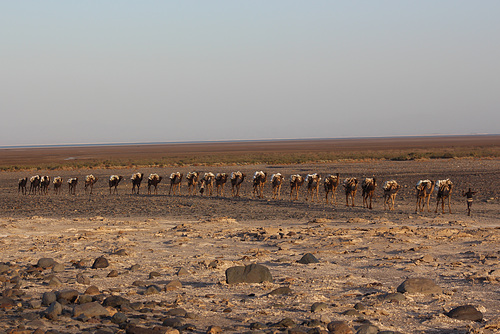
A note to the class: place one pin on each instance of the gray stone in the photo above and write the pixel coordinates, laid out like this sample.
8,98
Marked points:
46,263
54,282
254,273
316,307
90,310
115,301
172,322
48,298
68,295
53,311
367,329
352,313
83,299
113,273
177,312
154,274
135,267
287,322
465,312
284,290
182,271
58,267
152,290
173,285
82,279
100,262
119,318
308,258
394,297
419,285
339,327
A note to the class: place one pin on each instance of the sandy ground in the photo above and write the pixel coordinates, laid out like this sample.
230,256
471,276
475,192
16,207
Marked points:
364,254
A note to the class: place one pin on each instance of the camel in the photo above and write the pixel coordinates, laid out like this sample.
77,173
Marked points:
114,180
136,182
443,188
175,182
153,181
34,184
192,182
72,182
276,182
21,188
331,183
391,188
44,184
220,181
312,181
259,180
296,181
368,187
207,182
90,180
237,179
351,187
58,181
424,190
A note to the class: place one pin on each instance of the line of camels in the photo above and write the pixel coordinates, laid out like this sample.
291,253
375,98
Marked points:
424,188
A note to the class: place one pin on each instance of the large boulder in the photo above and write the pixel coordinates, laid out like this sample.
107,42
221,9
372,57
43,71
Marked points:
254,273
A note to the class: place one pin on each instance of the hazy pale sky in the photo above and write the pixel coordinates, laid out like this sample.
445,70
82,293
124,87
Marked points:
143,71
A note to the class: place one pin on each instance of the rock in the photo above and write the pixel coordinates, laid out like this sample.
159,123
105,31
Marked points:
134,329
360,307
419,285
115,301
316,307
308,258
53,311
257,325
45,263
82,299
281,291
339,327
92,290
465,312
135,267
152,290
287,322
120,252
48,298
214,330
8,303
352,313
367,329
100,262
67,295
119,318
82,279
173,285
58,267
154,274
90,310
54,282
113,273
394,297
254,273
182,271
4,268
172,322
139,283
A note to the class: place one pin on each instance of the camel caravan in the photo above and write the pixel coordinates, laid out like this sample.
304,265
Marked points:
196,183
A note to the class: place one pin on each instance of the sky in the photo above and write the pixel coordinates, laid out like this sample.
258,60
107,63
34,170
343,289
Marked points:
166,71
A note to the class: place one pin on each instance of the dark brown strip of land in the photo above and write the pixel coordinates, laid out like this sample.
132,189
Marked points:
60,155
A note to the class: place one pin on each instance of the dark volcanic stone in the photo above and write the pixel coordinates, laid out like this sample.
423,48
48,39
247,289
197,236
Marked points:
465,312
68,295
177,312
53,311
367,329
394,297
48,298
316,307
115,301
100,262
254,273
92,290
287,322
172,322
82,279
339,327
419,285
113,273
308,258
119,318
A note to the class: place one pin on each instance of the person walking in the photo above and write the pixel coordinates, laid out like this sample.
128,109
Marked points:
469,194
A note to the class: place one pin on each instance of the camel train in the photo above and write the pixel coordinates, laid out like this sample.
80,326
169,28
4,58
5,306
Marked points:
39,184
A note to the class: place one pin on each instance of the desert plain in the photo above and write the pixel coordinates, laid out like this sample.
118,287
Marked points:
167,255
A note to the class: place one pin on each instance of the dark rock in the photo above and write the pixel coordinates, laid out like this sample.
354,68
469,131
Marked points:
135,267
48,298
394,297
46,263
120,252
54,282
172,322
4,268
90,310
57,268
82,299
119,318
100,262
254,273
68,295
53,311
257,325
214,330
154,274
281,291
367,329
465,312
152,290
115,301
287,322
352,313
360,307
134,329
339,327
419,285
139,283
316,307
173,285
308,258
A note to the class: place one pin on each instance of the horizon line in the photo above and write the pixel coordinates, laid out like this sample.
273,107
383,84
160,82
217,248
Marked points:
236,140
